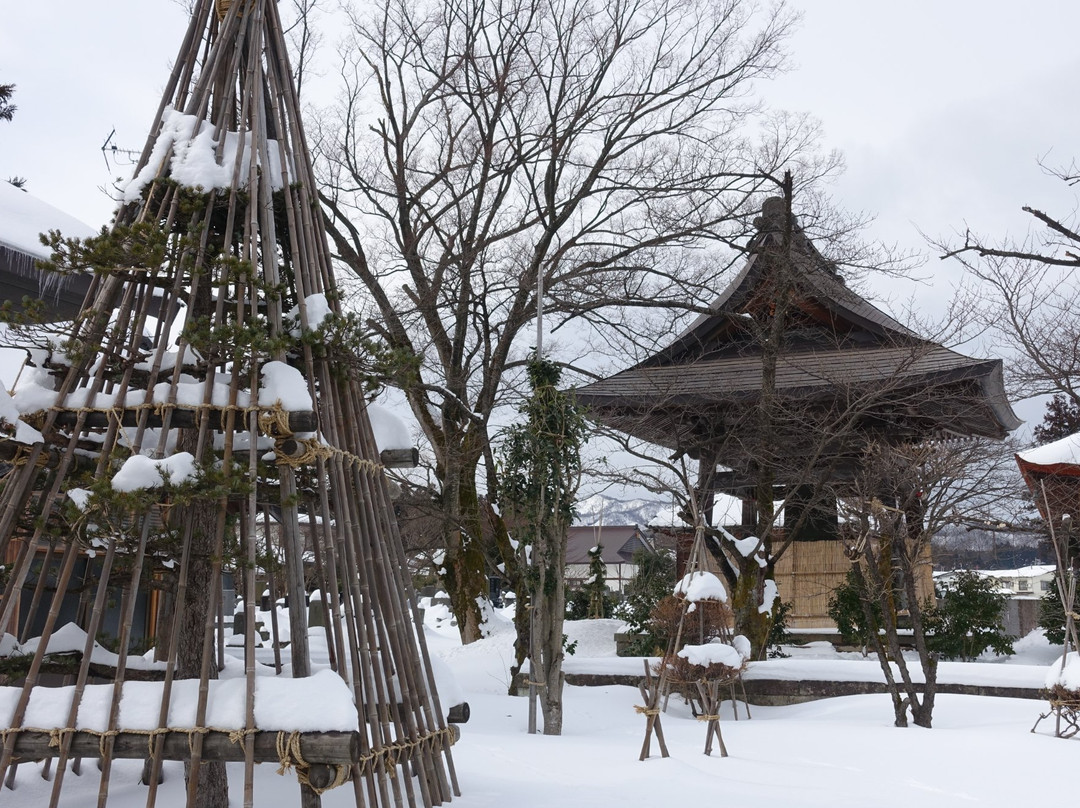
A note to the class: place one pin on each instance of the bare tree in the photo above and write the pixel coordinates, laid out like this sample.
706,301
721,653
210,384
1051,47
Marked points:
1026,298
902,497
580,148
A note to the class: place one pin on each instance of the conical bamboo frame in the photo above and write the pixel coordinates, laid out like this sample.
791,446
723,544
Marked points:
299,481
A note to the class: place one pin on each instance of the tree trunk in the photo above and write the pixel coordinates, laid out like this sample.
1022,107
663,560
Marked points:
550,604
463,571
745,600
922,710
213,786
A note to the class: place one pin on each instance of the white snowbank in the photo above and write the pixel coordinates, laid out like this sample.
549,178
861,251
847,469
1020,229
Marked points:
140,472
390,431
316,308
9,414
321,702
768,596
713,653
1068,676
70,638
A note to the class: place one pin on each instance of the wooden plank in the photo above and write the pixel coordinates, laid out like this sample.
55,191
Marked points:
340,748
182,417
400,458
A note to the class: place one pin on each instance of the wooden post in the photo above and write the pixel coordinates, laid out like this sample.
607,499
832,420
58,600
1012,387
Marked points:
651,692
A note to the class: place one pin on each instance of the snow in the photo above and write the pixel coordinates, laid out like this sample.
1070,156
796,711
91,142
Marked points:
320,702
712,653
191,392
1066,450
34,392
1067,675
70,638
80,497
748,546
390,431
834,753
317,309
284,385
140,472
768,596
8,645
23,217
9,414
194,160
701,585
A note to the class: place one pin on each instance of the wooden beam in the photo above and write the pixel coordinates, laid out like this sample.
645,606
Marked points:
339,748
400,458
183,418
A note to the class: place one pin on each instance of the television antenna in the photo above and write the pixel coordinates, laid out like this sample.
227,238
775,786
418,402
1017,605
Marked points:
119,156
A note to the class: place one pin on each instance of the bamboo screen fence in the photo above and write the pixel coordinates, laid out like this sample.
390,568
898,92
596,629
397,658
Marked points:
195,409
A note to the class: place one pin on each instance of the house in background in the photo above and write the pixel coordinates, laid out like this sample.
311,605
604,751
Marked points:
23,217
619,543
1033,581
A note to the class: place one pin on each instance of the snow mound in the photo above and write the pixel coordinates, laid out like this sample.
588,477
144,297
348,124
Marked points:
701,585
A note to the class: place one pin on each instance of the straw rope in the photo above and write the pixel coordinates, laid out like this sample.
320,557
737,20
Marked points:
57,734
646,710
22,457
315,450
708,718
393,754
273,421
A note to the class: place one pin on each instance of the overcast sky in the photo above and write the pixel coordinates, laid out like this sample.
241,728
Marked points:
942,108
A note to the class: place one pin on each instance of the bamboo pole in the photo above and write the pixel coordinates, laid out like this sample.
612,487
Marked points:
233,76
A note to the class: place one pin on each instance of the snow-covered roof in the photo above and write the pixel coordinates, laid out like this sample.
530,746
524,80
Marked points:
1033,571
23,217
1061,452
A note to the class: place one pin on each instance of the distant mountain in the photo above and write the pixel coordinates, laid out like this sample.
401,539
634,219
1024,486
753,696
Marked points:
607,510
960,548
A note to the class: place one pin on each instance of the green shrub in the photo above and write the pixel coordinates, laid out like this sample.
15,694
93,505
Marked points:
845,609
968,618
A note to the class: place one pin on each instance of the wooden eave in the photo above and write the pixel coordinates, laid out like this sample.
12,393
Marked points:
683,406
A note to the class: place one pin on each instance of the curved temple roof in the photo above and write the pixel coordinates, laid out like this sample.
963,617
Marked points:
837,347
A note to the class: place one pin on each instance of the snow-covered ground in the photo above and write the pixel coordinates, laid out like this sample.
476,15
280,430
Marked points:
836,752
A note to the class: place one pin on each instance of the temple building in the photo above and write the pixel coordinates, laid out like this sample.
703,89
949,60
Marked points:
786,382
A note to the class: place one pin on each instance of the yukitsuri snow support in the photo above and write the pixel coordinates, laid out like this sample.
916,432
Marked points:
201,417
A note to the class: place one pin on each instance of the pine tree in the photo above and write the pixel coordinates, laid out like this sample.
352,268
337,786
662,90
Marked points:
541,470
7,109
596,586
7,112
1062,418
